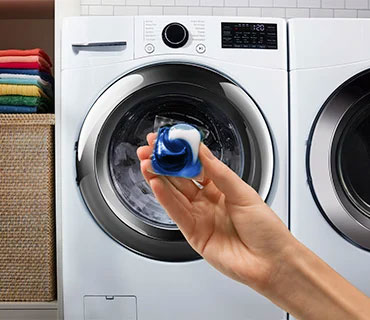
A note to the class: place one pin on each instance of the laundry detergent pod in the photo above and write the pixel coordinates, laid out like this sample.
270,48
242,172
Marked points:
176,151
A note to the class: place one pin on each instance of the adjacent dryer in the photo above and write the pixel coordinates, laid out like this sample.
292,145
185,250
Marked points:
330,142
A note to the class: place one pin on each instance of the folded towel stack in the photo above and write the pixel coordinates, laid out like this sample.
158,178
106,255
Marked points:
26,82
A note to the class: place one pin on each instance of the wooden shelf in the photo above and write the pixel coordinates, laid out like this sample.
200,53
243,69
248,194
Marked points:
26,9
29,310
52,305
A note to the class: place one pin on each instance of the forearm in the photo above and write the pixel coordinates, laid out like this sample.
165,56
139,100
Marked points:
308,288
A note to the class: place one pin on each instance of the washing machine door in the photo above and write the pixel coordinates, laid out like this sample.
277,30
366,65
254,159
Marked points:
108,170
338,160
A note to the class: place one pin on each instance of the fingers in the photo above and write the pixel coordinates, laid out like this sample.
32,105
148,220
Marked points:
146,170
151,138
144,152
185,186
226,180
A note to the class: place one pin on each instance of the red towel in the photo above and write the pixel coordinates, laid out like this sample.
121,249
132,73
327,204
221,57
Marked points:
32,52
25,65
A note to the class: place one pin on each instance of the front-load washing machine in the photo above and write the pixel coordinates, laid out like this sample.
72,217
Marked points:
122,256
330,142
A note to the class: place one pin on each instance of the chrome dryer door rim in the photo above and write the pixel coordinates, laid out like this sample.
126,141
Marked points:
324,173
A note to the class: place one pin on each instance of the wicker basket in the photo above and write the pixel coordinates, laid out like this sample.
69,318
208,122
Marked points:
27,220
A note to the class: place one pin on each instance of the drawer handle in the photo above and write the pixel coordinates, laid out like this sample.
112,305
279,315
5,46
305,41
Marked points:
82,46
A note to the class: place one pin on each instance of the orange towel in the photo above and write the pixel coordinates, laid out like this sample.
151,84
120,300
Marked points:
38,59
32,52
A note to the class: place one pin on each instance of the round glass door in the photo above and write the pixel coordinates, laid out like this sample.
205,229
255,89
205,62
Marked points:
226,139
339,160
353,156
109,171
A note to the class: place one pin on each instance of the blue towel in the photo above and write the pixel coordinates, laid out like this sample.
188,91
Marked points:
18,109
43,75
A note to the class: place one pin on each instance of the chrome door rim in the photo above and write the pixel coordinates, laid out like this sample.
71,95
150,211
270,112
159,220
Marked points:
95,190
332,201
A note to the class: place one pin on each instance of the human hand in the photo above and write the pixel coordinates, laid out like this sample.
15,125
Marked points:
228,224
226,221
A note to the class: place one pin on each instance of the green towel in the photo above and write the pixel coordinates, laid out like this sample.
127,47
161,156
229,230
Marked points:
40,102
22,100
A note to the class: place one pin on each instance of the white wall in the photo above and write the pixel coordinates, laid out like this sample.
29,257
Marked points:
275,8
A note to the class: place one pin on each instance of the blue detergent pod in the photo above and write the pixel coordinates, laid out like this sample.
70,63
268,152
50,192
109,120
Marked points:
176,151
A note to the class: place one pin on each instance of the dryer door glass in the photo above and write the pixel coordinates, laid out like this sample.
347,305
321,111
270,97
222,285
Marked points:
354,160
339,160
117,124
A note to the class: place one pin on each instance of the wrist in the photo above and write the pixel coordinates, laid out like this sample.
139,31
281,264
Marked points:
275,267
308,288
284,268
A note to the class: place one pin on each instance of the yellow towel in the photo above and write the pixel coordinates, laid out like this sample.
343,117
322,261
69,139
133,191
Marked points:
21,90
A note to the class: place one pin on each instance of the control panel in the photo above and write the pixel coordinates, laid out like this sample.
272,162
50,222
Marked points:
249,35
241,40
160,35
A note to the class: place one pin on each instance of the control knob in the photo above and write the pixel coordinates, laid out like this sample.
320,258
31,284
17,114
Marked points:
175,35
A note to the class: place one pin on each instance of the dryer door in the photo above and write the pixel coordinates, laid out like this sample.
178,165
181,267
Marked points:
338,160
108,169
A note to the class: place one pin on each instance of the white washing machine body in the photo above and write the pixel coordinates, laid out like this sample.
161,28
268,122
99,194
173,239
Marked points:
329,63
104,275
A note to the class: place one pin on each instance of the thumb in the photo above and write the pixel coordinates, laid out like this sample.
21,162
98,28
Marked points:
227,181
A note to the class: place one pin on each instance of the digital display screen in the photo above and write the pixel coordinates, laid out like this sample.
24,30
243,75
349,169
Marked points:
249,35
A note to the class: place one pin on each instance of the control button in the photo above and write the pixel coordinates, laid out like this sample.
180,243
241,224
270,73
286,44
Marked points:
175,35
201,48
149,48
